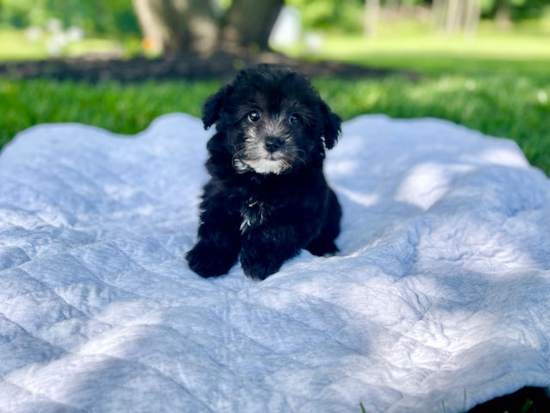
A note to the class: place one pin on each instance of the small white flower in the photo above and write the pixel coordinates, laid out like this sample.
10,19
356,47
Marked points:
470,84
314,41
542,97
53,49
74,34
56,44
53,25
33,34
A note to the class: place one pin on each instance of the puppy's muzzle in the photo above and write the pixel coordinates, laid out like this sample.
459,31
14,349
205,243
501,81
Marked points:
273,144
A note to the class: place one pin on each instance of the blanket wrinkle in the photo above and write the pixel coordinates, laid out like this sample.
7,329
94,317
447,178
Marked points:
46,402
439,290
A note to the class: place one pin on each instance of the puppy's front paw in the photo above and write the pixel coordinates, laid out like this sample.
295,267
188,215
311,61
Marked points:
259,266
209,261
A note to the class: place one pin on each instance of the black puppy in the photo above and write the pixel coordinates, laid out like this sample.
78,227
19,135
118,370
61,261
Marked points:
268,197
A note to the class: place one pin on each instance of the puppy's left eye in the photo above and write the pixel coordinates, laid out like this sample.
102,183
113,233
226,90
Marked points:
254,116
293,119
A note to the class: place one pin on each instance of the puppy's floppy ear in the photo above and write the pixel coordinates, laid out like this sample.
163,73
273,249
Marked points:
214,105
331,129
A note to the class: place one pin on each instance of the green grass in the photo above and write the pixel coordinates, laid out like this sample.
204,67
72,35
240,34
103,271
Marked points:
120,108
433,55
503,105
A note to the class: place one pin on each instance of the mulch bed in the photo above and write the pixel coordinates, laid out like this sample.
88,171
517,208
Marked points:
94,68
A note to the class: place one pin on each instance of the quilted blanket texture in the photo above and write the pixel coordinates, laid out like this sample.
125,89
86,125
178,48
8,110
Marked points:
439,300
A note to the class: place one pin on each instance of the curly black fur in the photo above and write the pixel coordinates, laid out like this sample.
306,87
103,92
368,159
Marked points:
267,198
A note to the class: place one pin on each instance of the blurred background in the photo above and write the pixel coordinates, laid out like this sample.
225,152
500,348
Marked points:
118,64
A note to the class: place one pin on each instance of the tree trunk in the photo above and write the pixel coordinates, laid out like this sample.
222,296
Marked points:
502,16
372,15
391,9
473,15
453,16
438,14
173,26
249,23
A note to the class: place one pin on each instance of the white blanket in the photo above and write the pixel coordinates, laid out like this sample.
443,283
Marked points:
439,300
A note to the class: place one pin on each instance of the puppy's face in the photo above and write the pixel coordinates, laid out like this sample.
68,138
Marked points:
273,120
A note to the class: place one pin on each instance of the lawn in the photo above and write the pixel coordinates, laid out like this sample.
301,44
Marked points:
504,105
525,49
433,55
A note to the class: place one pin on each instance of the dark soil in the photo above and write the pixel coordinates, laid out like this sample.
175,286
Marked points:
186,66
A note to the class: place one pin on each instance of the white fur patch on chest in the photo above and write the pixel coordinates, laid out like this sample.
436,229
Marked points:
253,214
262,166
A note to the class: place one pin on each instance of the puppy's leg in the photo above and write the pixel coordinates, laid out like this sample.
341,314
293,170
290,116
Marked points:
219,241
323,244
264,250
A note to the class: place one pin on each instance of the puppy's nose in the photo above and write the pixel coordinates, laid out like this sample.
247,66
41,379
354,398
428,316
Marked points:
273,144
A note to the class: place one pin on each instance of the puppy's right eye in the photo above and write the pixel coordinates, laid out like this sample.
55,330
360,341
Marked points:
254,116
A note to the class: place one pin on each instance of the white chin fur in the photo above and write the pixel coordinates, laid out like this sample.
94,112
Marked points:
264,166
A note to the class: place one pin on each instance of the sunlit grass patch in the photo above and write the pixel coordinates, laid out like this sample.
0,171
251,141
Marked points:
14,46
405,45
